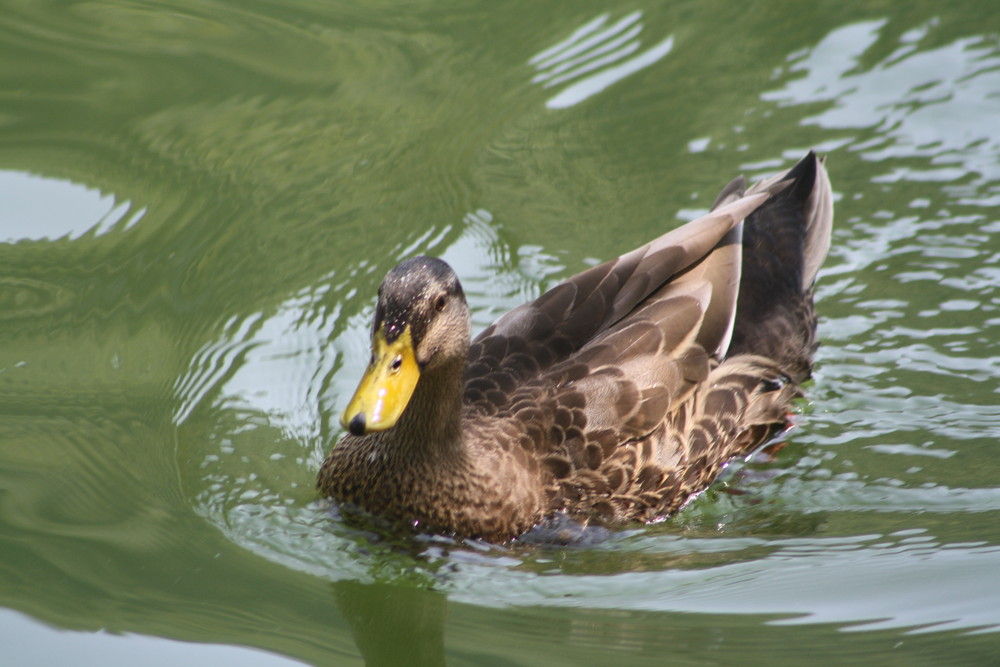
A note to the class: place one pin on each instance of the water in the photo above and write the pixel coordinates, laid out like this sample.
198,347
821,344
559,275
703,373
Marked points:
198,200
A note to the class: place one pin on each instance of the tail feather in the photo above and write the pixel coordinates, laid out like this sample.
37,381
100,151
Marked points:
784,243
819,225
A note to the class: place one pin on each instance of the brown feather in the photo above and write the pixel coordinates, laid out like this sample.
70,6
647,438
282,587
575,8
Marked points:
617,394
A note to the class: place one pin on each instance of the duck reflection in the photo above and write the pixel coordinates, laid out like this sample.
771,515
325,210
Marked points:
392,624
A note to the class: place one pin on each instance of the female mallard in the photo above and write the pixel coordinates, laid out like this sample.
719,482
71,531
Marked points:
615,396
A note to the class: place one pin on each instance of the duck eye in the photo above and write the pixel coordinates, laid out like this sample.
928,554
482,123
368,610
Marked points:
397,363
439,303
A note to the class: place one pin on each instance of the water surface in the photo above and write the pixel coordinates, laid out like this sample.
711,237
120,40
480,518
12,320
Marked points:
198,201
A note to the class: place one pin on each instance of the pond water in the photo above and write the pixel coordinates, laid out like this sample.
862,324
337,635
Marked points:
199,199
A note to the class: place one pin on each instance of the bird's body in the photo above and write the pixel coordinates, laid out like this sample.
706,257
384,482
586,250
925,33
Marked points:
615,396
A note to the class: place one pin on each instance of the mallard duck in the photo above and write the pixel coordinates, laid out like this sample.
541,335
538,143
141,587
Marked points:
613,397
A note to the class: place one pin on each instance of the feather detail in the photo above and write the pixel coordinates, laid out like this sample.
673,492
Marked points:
616,395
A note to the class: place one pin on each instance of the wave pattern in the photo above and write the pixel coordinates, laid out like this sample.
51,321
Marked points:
595,57
207,196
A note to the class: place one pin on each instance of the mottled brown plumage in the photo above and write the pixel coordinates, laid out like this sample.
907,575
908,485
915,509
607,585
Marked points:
614,396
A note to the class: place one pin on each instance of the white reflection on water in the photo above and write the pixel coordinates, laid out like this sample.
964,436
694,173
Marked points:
589,49
936,103
37,208
866,582
28,642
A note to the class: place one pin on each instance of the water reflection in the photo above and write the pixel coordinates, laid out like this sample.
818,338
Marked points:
40,208
394,625
595,57
935,103
279,161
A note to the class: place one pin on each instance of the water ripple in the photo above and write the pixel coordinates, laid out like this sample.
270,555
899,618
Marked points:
908,98
186,342
593,47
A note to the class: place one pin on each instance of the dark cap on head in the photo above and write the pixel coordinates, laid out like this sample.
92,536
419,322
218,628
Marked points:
409,294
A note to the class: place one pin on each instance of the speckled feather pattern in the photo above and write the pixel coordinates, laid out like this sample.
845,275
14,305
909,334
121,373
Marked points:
618,394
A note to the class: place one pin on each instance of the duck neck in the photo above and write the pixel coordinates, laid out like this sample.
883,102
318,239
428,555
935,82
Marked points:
431,426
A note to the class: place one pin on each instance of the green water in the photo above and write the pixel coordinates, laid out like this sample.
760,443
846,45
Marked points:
198,200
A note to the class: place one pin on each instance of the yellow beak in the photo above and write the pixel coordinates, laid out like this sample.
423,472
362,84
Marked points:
386,388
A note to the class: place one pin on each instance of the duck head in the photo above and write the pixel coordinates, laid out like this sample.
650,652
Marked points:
421,324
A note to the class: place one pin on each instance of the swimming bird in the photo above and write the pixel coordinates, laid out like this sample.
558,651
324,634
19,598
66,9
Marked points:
614,397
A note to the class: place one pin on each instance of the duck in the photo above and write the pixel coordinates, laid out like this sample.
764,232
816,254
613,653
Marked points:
611,399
